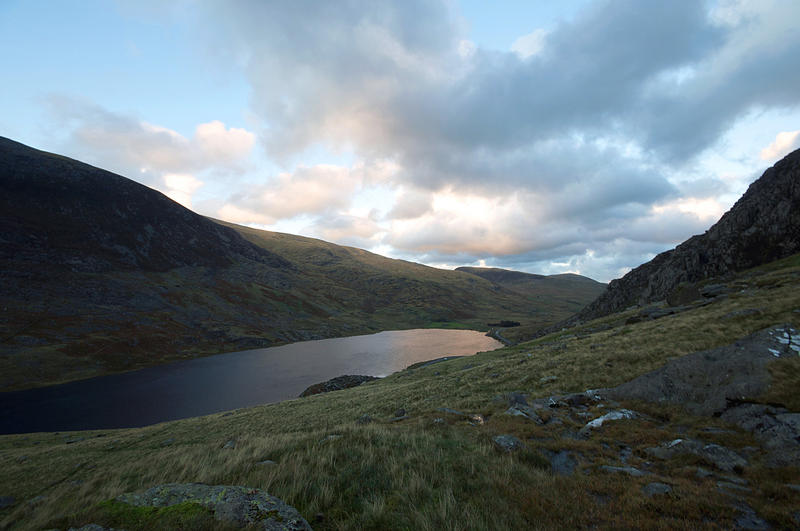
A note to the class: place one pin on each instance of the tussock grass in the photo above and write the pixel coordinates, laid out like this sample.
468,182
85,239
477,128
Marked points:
418,474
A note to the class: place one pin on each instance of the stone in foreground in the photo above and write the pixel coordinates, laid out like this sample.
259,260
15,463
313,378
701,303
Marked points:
337,384
507,443
241,506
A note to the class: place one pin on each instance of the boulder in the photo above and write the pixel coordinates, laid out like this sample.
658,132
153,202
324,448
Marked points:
233,505
706,382
620,414
337,384
507,443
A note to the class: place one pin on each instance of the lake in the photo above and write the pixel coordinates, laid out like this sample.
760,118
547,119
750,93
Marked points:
225,381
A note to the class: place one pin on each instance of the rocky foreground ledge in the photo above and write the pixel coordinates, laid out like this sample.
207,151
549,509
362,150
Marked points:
232,506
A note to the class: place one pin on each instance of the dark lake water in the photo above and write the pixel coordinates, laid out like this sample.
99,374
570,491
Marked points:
226,381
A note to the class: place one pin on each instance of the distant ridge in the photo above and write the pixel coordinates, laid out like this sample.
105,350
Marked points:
763,226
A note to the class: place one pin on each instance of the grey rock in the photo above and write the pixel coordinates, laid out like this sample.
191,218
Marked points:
267,462
620,414
507,443
364,419
516,399
400,412
712,290
776,428
237,505
706,382
337,384
561,463
629,470
656,489
331,437
400,418
793,487
525,412
722,457
548,379
719,456
438,421
230,445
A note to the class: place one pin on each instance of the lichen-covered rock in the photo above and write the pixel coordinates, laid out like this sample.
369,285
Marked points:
242,506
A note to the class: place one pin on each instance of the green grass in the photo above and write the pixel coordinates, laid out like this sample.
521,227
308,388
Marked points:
418,474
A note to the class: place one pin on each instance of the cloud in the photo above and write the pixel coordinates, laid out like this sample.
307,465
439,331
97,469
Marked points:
181,187
784,143
154,155
325,190
579,142
530,44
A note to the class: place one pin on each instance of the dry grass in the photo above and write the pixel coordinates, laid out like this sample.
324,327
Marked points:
417,474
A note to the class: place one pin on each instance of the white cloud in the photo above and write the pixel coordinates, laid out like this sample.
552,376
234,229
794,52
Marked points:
181,187
531,44
221,145
152,154
784,142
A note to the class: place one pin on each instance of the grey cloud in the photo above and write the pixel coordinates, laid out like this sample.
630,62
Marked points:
627,93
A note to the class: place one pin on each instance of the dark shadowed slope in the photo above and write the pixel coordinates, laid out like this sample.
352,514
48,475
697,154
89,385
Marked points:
70,215
763,225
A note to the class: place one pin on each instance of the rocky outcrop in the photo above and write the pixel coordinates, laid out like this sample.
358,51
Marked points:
763,225
725,382
232,505
709,381
337,384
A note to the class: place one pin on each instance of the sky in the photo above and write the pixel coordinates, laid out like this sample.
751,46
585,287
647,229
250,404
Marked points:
573,136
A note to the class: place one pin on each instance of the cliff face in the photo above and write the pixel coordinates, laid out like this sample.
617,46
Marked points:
763,225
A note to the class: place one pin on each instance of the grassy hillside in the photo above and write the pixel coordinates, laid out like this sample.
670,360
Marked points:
100,274
424,473
553,298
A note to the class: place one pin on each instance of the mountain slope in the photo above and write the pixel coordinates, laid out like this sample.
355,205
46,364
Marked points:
345,461
99,274
67,214
565,292
763,225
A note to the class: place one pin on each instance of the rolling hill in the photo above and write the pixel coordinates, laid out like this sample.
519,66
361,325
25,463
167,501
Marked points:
100,274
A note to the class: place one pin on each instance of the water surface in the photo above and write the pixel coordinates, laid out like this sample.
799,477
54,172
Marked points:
226,381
